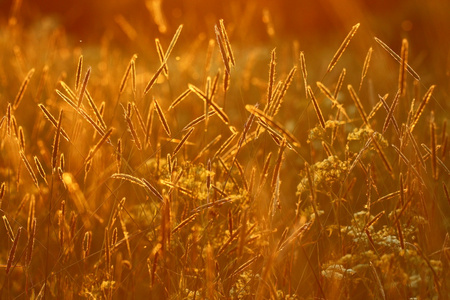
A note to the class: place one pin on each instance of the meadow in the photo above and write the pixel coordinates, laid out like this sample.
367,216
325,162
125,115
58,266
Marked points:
224,151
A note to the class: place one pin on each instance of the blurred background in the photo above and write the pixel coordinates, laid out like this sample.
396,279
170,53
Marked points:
129,23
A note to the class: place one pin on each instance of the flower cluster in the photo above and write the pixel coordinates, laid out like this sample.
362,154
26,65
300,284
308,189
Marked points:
325,172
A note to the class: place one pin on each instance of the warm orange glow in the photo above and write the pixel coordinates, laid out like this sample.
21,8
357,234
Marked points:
241,149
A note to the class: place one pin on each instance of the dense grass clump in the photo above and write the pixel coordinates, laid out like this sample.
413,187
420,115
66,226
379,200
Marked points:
205,166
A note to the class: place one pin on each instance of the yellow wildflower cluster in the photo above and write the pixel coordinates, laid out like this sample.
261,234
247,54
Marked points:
364,133
327,171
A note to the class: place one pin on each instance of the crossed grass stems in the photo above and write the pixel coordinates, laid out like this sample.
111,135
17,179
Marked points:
265,121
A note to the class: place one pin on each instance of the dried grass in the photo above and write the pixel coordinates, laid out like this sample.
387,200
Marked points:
397,58
162,117
342,48
199,206
12,252
22,89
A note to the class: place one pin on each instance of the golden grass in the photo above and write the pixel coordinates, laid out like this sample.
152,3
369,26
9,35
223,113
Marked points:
198,120
304,72
272,76
22,89
8,228
12,252
342,48
398,58
179,99
267,119
391,110
403,67
126,75
223,51
52,120
365,66
78,73
161,57
421,107
83,87
214,106
29,168
162,117
358,105
99,144
224,36
56,141
195,206
316,108
40,169
133,132
182,142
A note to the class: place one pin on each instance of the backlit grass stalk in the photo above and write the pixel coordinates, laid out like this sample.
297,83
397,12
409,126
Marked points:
342,48
365,66
397,58
317,108
403,68
22,89
304,72
421,107
162,117
272,71
29,168
358,105
83,87
12,252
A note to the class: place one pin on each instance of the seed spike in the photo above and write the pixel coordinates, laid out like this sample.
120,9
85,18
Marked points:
342,48
272,72
421,107
397,58
225,59
365,66
181,143
126,75
29,168
133,132
12,252
173,42
317,108
403,68
267,119
8,119
391,110
198,120
160,51
22,89
214,106
79,70
56,141
40,169
162,118
339,83
153,79
97,113
330,96
83,87
179,98
304,72
227,43
152,189
358,105
148,124
99,144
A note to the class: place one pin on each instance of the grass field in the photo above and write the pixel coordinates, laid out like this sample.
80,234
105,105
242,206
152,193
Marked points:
224,150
